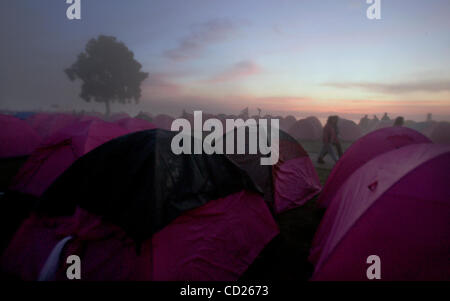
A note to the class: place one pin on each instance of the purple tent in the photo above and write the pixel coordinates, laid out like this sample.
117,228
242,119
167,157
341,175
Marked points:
47,124
17,137
397,207
306,129
59,151
441,133
163,121
348,130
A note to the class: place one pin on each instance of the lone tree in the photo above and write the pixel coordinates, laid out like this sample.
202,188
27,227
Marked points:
108,71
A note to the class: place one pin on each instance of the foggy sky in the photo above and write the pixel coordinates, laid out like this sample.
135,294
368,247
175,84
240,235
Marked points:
284,56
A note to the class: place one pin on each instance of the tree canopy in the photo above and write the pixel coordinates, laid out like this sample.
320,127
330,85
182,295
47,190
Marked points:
108,71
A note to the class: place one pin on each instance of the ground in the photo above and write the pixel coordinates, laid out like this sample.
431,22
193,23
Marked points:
285,258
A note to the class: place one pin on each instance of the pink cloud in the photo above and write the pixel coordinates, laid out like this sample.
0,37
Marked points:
237,71
200,37
160,84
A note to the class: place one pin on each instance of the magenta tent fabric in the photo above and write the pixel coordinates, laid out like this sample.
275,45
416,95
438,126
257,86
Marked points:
163,121
348,130
441,133
306,129
217,241
47,124
17,137
59,151
362,151
295,179
89,118
397,206
135,124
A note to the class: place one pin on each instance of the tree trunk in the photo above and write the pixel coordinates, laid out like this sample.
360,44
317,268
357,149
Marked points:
108,111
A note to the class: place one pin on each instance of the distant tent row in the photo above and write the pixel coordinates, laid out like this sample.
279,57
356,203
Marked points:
23,132
388,196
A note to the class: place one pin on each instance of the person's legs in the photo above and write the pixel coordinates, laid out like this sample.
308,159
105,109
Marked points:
322,154
339,149
331,152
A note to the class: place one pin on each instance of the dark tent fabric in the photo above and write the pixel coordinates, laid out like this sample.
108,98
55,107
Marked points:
136,182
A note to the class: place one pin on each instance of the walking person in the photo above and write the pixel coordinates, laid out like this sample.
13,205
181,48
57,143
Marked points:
330,137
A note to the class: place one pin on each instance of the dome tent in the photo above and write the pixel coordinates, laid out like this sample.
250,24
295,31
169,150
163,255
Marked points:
17,137
59,151
366,148
348,130
306,129
290,183
163,121
385,208
162,216
440,133
47,124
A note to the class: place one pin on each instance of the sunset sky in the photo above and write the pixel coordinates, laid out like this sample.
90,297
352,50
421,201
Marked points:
312,57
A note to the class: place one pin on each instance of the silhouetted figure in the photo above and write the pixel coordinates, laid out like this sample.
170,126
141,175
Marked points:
399,121
330,137
385,117
429,117
364,122
108,71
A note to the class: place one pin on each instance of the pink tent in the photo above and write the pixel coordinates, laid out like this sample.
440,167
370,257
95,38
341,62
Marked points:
294,176
163,121
135,124
307,129
214,242
397,207
362,151
59,151
441,133
88,118
47,124
17,137
348,130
